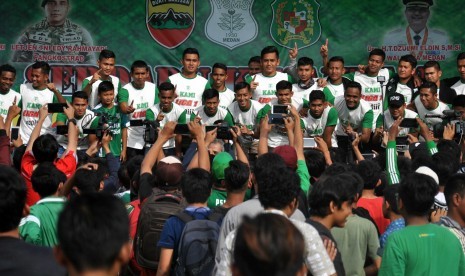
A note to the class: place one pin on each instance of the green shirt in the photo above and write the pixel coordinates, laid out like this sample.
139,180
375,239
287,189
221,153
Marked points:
116,121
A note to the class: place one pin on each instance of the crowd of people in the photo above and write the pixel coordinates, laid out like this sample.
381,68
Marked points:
356,173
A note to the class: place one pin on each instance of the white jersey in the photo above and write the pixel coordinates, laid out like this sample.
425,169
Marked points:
174,115
32,100
266,89
142,99
422,111
459,87
93,99
245,117
205,119
226,97
6,100
189,91
406,91
84,122
335,89
347,116
389,121
316,126
300,93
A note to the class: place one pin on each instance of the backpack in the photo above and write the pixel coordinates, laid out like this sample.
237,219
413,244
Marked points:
155,210
197,245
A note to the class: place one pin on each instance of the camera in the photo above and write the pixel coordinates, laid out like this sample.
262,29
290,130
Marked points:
150,131
449,116
222,132
101,127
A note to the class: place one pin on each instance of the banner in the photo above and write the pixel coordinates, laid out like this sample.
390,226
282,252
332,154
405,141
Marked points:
226,31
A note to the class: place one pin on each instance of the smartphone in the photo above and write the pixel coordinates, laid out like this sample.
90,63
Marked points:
276,119
368,156
181,129
309,143
279,109
410,123
14,134
62,130
56,107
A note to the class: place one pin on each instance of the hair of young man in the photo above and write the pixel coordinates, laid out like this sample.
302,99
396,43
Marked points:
461,56
338,189
278,187
255,59
106,54
87,181
139,64
455,185
79,95
378,52
45,148
123,176
337,59
422,159
188,51
459,101
241,85
18,156
405,165
354,84
105,86
449,146
417,193
446,166
429,85
283,85
391,194
432,63
46,178
268,244
410,59
133,164
335,168
269,50
369,171
44,66
266,161
166,86
196,185
7,68
92,229
210,94
317,95
236,176
220,66
304,61
12,198
315,161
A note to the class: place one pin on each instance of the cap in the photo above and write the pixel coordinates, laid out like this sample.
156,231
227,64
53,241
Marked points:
396,100
429,172
417,148
219,164
418,3
289,155
168,172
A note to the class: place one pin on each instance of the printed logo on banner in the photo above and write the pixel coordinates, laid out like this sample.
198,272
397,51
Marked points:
231,23
295,21
170,22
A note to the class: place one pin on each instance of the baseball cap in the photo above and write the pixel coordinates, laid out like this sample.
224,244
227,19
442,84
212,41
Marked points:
289,155
417,148
418,3
219,164
396,100
168,172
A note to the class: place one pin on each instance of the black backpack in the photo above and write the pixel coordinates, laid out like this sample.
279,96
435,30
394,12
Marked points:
155,210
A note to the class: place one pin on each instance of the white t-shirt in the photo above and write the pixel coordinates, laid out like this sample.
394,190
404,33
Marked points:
459,87
266,89
189,91
406,92
245,117
174,115
300,93
347,116
316,126
210,120
226,97
388,121
422,111
335,89
85,122
6,100
93,99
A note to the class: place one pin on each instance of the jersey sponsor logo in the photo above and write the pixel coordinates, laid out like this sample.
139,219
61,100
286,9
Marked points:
170,22
231,23
295,22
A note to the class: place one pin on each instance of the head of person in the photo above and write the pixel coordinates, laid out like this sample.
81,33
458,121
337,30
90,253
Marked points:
106,93
375,61
211,101
12,198
458,104
45,148
219,75
417,13
406,67
429,95
168,173
284,92
461,65
288,154
370,172
269,60
416,194
390,202
7,77
93,234
56,11
236,176
264,164
305,68
315,161
454,192
396,105
216,146
353,94
336,68
47,179
139,73
166,95
254,65
446,165
190,61
242,94
106,62
268,244
433,71
450,146
317,103
79,101
88,181
196,185
219,165
333,196
40,71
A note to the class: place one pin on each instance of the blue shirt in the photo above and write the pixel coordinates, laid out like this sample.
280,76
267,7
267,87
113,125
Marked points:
394,226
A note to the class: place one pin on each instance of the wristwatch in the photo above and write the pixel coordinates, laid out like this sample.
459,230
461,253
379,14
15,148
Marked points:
72,121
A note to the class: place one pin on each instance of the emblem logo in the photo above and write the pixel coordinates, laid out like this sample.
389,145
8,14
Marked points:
170,22
295,21
231,23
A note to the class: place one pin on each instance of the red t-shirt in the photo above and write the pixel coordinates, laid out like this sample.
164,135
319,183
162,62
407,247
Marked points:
66,164
374,206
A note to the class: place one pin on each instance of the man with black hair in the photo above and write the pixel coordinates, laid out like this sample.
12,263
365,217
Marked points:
427,103
321,118
446,165
459,105
336,83
391,211
237,179
454,193
458,83
219,75
316,163
403,81
421,248
433,73
306,83
254,66
209,112
8,94
93,235
16,252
